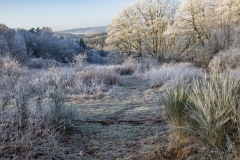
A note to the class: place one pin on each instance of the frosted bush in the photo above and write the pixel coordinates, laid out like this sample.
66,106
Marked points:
130,63
36,63
168,74
119,69
95,78
95,57
225,59
80,61
92,80
32,108
139,66
28,131
9,67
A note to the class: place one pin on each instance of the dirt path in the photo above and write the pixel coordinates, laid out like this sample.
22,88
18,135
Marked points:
122,125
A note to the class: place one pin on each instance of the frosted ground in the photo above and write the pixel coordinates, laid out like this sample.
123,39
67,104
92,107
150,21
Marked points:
123,123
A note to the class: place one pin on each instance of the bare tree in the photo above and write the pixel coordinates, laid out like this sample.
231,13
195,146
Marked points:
206,26
139,29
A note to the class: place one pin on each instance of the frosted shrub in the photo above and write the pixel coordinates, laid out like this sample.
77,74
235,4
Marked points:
30,132
139,66
108,77
36,63
80,61
229,58
28,123
43,80
10,67
95,57
130,63
53,63
119,69
97,78
168,74
90,81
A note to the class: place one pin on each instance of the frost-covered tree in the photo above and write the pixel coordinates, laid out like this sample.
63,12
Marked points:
195,30
81,43
205,27
12,43
39,43
96,41
139,29
4,48
42,43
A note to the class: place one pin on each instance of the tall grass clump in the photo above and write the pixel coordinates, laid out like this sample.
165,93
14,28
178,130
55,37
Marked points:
22,98
175,100
207,111
61,116
213,101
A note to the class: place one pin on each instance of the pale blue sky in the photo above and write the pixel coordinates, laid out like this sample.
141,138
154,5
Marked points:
59,14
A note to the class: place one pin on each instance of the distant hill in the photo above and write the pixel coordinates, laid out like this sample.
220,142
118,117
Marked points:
68,35
85,31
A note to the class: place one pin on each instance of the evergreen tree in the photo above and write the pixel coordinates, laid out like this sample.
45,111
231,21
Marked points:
81,43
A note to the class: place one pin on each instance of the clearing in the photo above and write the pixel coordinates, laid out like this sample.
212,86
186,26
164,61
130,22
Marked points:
124,124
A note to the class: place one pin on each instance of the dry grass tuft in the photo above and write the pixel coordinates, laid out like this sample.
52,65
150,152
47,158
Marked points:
207,113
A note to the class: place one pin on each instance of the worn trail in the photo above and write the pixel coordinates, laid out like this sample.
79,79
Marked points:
123,124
